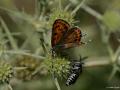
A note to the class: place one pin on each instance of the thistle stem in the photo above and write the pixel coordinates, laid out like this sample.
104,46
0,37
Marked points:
9,87
11,39
60,5
78,7
114,70
95,63
20,52
57,84
92,12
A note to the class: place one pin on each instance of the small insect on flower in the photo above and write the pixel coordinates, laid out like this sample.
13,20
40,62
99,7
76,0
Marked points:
64,36
75,71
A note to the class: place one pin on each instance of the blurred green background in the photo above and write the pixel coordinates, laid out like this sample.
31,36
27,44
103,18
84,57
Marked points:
25,41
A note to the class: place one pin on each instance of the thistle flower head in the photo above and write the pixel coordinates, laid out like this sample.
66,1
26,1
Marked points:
6,72
31,65
59,66
60,14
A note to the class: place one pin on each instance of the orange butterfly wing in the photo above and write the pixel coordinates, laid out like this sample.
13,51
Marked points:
59,28
72,38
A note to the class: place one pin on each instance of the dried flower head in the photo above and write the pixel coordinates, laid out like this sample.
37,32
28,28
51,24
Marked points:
31,65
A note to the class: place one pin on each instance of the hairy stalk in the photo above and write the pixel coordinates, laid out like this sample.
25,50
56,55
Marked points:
37,8
18,14
10,87
113,59
24,44
78,7
92,12
60,4
100,62
18,52
114,70
117,53
12,41
67,7
57,84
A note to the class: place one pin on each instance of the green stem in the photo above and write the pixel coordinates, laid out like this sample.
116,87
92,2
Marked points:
25,43
114,58
112,73
23,53
111,54
37,8
117,53
67,7
60,4
92,12
57,84
96,62
9,86
78,7
11,39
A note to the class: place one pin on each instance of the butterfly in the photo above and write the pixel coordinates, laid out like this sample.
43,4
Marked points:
64,36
